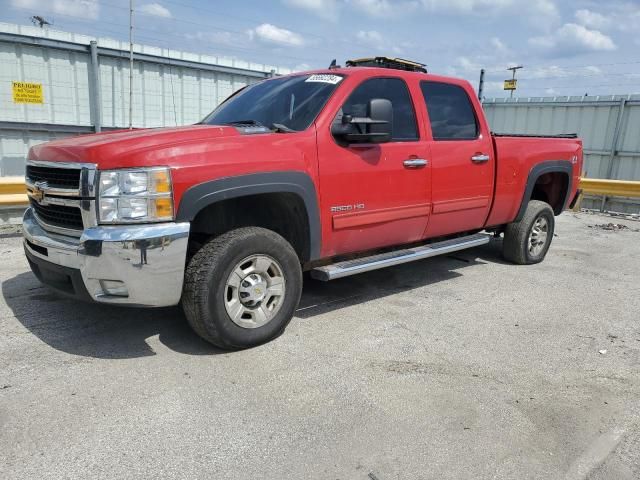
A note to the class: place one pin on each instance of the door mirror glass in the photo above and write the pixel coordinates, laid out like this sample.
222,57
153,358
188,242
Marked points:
375,127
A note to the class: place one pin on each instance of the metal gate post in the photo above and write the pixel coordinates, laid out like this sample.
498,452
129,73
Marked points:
95,97
614,146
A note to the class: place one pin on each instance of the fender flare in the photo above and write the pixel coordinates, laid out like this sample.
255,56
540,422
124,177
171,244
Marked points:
202,195
549,166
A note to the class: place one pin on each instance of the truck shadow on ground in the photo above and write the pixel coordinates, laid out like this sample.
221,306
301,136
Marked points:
109,332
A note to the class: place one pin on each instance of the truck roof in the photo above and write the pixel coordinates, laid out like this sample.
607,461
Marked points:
382,72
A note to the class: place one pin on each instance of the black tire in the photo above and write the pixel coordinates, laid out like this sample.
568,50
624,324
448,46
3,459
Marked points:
206,275
515,247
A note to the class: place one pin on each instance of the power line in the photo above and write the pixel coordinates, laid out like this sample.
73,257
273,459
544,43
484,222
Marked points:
208,27
635,62
564,87
110,32
578,75
79,20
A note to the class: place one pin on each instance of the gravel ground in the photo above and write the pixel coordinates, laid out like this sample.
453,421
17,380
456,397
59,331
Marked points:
450,368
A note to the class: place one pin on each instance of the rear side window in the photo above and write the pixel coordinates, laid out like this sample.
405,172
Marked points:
450,111
394,89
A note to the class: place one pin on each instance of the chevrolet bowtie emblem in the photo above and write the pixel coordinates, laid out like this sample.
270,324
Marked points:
36,192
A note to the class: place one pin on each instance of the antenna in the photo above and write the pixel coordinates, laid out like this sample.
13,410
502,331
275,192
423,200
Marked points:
40,21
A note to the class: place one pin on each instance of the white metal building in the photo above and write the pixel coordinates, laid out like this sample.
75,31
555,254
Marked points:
85,86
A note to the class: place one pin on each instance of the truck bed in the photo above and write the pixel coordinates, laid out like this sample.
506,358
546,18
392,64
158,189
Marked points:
516,156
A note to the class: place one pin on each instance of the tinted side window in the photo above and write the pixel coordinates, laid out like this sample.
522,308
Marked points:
393,89
450,111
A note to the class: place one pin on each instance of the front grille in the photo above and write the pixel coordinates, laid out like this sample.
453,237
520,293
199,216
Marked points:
58,215
55,177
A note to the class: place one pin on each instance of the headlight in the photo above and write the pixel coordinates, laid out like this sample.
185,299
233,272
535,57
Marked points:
135,196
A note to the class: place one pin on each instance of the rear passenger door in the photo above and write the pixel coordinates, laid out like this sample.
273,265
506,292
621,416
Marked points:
462,160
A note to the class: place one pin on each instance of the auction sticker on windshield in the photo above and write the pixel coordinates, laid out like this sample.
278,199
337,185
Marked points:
324,78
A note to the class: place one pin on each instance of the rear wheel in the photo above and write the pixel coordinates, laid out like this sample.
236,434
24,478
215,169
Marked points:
527,241
242,288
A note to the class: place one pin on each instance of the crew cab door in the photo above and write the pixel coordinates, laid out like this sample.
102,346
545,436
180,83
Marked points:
463,161
375,195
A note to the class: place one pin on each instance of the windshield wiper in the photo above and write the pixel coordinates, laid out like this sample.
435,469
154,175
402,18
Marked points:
280,128
249,123
275,127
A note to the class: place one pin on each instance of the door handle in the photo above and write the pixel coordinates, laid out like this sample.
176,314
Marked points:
415,163
480,158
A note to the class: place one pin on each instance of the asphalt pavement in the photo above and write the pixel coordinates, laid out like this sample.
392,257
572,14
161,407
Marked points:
458,367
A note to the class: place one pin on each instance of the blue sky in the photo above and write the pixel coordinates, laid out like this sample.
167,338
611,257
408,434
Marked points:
568,47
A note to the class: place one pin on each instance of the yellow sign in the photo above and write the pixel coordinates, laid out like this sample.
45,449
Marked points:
26,92
510,84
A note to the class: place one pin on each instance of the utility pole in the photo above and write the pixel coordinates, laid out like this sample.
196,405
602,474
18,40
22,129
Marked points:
130,64
481,85
513,70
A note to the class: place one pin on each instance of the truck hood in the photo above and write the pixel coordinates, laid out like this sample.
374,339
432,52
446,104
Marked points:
140,147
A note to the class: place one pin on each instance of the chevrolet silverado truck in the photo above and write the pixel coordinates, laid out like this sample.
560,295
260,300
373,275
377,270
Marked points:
335,172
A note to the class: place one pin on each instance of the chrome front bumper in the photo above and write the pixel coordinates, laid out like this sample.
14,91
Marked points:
138,265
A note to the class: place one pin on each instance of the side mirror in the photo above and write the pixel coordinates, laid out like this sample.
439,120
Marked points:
376,127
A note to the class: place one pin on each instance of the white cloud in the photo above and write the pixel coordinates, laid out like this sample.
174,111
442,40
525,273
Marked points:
218,38
540,8
466,6
269,33
467,65
73,8
627,18
592,19
499,46
384,8
370,37
156,10
323,8
374,40
593,70
574,38
623,16
555,71
302,67
376,8
546,8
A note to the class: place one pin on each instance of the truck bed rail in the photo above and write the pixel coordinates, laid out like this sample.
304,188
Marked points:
530,135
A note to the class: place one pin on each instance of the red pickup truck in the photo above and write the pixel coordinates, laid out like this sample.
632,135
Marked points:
336,172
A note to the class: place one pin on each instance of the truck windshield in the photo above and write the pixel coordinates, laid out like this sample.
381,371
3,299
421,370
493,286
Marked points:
282,104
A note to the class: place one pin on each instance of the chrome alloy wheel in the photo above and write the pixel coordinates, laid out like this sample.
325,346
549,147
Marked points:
538,236
254,291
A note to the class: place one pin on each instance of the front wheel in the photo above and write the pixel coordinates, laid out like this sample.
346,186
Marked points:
527,241
242,288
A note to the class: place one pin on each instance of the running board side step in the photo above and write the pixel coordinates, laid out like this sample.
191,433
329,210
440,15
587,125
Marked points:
382,260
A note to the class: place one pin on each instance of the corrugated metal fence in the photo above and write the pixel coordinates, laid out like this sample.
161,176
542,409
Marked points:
609,127
86,87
